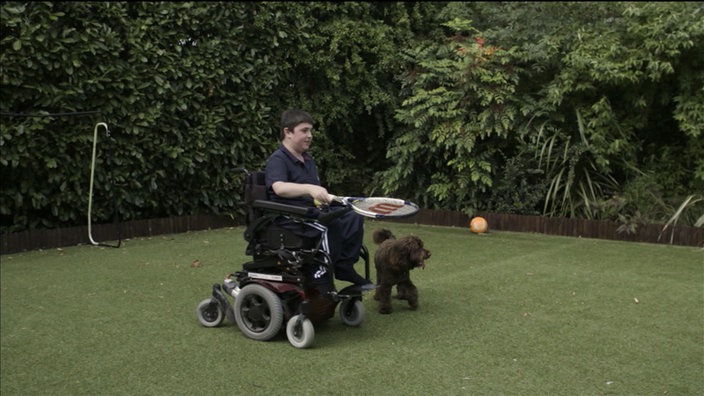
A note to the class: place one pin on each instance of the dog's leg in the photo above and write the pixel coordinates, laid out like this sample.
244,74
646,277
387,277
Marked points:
410,293
378,282
402,287
402,291
383,294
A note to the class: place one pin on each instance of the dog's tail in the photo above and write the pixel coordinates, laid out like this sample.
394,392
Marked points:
382,234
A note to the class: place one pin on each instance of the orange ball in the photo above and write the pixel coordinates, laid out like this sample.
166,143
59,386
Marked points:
478,225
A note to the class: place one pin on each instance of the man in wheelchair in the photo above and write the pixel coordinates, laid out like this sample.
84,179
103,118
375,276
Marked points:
291,178
296,247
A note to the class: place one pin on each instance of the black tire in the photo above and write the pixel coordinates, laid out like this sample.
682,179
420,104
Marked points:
352,312
209,313
300,333
258,312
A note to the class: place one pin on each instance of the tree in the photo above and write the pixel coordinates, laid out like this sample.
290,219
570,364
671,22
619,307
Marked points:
569,76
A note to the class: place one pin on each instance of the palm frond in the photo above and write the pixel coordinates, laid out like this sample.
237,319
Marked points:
690,201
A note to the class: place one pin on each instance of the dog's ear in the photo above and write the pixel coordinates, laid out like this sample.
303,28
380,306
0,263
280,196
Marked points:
397,255
413,248
400,254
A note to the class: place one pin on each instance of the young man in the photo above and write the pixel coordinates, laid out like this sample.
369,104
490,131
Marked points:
292,178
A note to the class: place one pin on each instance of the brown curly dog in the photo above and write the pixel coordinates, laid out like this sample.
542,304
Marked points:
394,259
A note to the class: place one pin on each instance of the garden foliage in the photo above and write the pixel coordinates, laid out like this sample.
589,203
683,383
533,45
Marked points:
583,109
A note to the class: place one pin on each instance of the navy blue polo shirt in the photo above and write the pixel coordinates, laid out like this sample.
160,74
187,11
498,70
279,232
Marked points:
284,166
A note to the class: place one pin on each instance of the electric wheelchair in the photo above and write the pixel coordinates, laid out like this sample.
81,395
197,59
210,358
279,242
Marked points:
289,283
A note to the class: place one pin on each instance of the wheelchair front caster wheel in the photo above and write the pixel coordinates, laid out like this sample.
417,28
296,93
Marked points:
352,312
209,313
300,332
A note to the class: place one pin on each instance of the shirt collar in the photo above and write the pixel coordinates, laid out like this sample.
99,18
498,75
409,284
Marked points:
306,157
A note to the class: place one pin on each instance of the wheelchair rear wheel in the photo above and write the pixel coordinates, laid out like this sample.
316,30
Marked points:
258,312
300,332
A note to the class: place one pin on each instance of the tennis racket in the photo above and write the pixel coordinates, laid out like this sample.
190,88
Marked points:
378,207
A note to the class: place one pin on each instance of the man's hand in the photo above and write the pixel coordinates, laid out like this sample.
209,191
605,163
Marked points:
320,195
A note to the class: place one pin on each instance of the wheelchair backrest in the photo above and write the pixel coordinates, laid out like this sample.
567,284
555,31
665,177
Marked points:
261,233
254,189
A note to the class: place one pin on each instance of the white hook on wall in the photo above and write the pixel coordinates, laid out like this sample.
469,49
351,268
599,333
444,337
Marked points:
92,175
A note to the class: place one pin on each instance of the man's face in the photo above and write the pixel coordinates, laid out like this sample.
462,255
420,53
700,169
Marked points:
301,137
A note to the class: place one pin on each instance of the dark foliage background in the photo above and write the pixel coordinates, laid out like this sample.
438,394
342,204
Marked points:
588,110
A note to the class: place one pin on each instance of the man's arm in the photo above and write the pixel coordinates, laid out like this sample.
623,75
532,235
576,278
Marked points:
294,190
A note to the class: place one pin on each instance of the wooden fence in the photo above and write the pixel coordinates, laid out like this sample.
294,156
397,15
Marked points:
48,239
599,229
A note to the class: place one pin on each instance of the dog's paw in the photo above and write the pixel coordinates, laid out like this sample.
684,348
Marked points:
385,310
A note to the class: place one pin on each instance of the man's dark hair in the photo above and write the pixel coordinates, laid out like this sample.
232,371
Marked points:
291,118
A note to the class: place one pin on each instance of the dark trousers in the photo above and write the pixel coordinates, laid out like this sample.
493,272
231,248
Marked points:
345,238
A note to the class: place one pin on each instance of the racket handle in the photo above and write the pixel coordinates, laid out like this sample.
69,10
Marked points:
342,200
330,197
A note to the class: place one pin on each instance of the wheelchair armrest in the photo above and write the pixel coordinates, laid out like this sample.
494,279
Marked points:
300,211
280,208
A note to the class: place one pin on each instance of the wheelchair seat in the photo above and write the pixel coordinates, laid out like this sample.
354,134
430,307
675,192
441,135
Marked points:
262,233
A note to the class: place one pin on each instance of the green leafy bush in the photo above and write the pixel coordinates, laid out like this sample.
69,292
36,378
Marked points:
554,108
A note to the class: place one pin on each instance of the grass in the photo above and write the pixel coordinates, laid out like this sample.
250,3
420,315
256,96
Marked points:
501,313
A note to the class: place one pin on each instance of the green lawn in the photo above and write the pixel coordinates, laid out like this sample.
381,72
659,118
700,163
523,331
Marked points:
501,313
